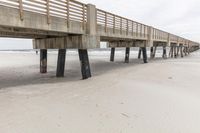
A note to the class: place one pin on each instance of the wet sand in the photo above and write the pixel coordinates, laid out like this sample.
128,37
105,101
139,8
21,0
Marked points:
162,96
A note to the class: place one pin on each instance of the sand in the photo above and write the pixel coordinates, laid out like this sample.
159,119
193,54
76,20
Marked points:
162,96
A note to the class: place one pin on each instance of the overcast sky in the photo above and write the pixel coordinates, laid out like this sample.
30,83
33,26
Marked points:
181,17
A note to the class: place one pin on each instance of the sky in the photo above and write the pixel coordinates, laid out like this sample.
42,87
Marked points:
180,17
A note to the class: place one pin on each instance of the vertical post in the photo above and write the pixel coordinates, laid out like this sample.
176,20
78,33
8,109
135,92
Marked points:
139,53
114,24
61,63
151,53
48,12
175,48
154,52
127,54
144,53
85,65
121,26
68,13
172,51
21,10
43,60
127,27
178,51
106,22
181,50
83,16
112,54
91,19
164,52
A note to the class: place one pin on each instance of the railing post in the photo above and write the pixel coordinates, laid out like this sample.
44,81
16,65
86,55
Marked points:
132,28
21,10
83,16
91,20
121,26
150,36
48,11
136,29
106,22
68,13
114,24
127,27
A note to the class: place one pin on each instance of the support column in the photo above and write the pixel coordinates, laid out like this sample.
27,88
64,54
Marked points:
151,53
61,63
178,51
175,56
127,55
43,60
144,53
164,52
139,53
112,54
172,51
154,52
181,50
185,51
85,65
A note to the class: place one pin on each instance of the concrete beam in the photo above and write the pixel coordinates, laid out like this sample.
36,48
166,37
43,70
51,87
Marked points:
70,41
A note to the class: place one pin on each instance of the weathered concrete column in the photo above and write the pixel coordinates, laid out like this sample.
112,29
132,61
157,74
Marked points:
154,51
175,56
43,60
85,65
164,52
151,52
127,55
181,50
139,53
172,51
144,53
61,63
185,51
178,49
112,55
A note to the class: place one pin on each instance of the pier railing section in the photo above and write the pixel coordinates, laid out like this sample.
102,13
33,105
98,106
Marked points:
66,9
106,22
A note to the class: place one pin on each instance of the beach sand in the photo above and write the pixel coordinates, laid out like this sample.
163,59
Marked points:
162,96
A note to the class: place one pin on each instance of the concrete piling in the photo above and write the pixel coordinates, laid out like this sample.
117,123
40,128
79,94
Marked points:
139,53
61,63
144,53
85,65
164,56
181,50
151,52
127,54
112,55
43,60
